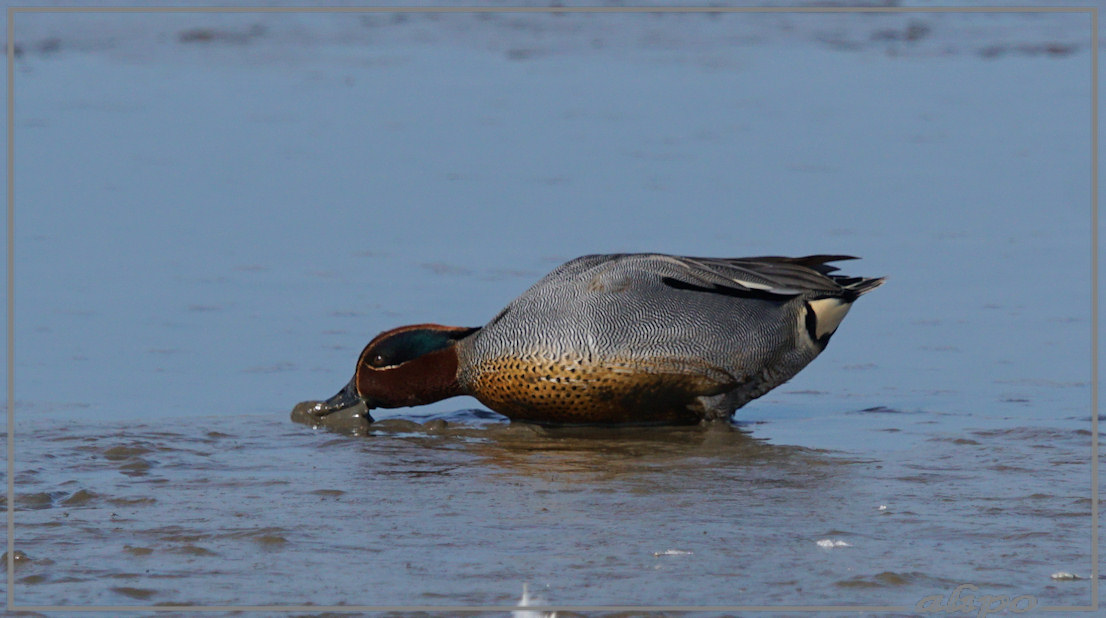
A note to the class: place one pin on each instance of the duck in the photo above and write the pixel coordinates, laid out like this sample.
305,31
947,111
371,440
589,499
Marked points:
620,339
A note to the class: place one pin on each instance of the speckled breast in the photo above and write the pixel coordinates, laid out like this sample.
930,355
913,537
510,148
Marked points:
576,390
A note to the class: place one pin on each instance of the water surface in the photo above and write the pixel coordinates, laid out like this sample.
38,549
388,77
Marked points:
215,213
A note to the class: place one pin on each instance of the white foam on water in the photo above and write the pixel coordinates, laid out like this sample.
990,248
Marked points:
529,601
672,552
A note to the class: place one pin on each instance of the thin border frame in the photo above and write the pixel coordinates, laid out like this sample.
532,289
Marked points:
1092,11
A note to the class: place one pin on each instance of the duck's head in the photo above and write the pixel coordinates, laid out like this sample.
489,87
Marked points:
406,366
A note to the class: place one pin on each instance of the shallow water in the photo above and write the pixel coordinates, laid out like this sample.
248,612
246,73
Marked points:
215,213
465,508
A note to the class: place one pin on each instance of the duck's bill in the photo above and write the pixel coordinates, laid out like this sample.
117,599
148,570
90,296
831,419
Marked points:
346,398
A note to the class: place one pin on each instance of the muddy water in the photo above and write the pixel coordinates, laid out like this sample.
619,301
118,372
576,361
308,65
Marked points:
465,508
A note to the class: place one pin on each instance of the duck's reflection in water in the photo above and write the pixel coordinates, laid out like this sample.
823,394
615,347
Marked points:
661,455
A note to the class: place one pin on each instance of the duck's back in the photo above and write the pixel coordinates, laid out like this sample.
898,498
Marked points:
652,338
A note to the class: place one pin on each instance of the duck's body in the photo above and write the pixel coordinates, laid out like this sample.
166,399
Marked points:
629,338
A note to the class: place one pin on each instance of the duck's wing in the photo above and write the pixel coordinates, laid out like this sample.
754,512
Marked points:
770,277
813,270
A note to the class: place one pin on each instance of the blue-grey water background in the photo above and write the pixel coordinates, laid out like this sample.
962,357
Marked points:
215,212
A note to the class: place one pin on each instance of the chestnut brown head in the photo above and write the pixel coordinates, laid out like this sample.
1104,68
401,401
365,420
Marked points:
406,366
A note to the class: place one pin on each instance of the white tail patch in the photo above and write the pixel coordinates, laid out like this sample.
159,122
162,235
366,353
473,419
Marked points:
828,313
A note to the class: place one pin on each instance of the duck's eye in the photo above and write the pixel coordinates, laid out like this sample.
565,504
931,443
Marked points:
377,360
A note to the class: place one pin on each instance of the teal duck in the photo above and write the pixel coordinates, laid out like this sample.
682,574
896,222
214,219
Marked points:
621,339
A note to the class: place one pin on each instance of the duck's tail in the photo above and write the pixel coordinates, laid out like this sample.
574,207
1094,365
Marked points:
824,314
855,287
